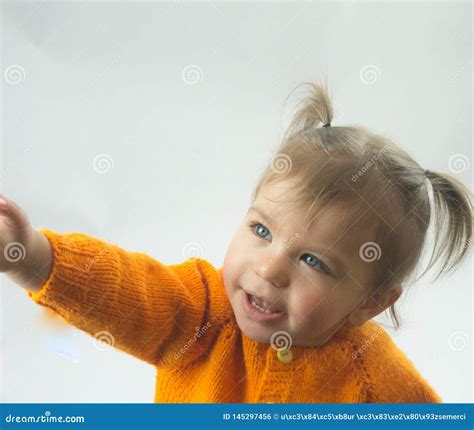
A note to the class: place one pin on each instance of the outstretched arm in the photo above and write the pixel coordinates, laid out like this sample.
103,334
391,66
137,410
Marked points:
141,306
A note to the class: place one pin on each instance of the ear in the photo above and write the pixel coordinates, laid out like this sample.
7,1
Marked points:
376,303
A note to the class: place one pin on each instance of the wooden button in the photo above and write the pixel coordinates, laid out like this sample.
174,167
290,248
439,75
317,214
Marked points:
285,355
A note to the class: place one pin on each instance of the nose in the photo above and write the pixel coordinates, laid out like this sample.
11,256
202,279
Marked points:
273,267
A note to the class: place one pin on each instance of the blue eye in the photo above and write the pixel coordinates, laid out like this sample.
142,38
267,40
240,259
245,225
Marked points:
261,231
316,260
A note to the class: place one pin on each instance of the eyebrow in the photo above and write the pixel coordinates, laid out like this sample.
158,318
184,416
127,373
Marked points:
324,254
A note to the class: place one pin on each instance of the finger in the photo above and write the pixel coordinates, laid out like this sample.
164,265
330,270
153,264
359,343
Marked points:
13,214
3,202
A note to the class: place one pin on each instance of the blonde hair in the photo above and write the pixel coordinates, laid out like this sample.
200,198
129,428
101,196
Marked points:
381,187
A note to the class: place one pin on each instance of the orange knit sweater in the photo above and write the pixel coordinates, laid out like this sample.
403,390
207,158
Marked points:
179,319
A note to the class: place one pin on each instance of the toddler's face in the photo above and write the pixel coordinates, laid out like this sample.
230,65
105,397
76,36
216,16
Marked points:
308,282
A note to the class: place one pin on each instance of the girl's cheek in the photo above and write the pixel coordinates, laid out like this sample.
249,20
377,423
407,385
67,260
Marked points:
232,265
306,305
237,253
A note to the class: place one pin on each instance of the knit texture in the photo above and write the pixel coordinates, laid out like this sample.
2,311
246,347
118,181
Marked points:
179,319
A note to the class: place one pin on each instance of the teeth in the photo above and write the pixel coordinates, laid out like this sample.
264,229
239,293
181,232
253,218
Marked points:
254,304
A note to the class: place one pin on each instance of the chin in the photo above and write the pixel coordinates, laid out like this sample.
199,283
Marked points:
260,332
255,332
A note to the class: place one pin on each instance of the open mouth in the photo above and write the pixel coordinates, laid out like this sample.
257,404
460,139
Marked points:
259,309
262,305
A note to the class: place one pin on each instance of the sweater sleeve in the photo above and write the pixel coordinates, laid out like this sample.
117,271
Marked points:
159,313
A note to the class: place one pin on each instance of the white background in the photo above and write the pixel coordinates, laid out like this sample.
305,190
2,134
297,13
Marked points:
184,147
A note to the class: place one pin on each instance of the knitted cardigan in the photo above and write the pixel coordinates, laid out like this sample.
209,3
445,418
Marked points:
179,319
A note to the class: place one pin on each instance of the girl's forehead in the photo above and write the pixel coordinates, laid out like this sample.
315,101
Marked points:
325,223
276,207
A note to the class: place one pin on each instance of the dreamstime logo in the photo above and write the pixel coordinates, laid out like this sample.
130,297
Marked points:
367,165
94,82
92,261
370,251
192,74
455,77
192,250
103,163
281,340
370,74
458,340
279,252
14,252
45,418
281,163
199,332
103,340
361,349
459,163
467,244
14,74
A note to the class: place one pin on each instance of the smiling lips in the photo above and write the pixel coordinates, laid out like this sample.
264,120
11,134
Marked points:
262,304
260,309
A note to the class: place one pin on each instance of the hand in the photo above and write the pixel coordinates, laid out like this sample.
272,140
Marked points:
16,233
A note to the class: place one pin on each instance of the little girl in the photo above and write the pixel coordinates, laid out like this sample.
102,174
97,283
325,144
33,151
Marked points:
336,226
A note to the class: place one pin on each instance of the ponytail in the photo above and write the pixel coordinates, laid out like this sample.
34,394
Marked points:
313,110
453,210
